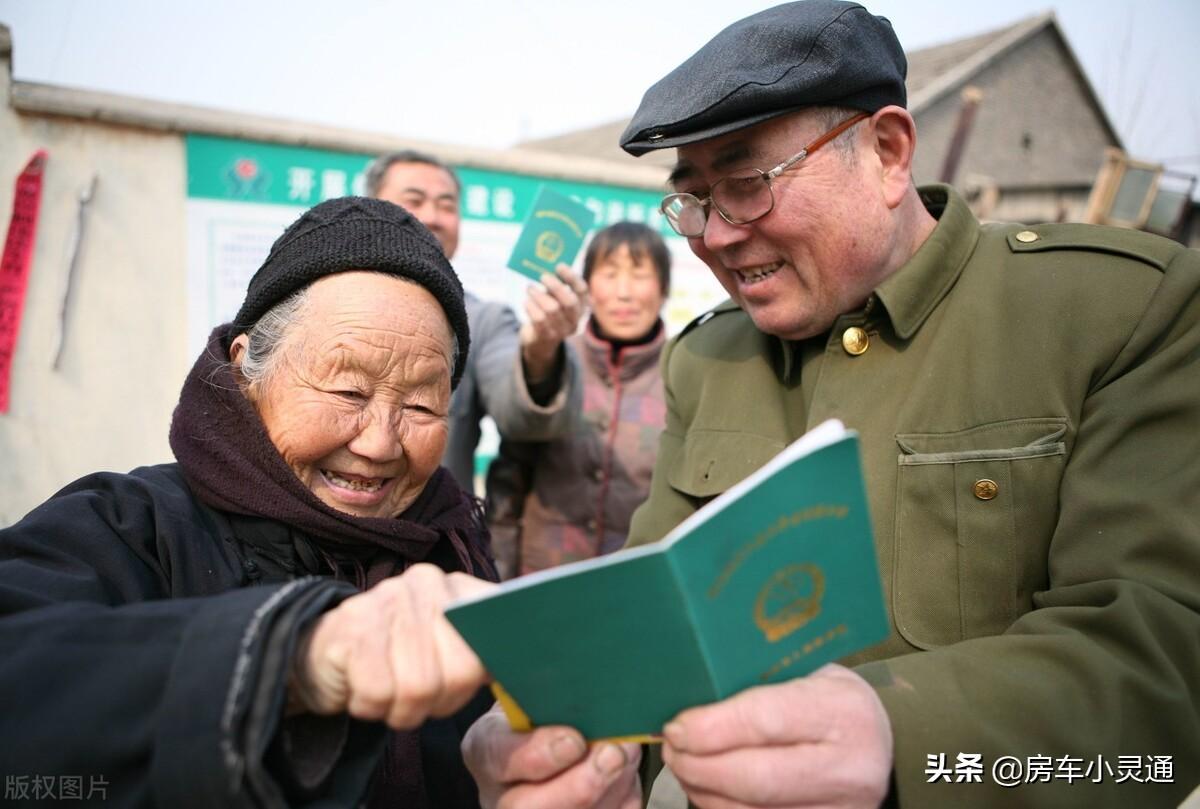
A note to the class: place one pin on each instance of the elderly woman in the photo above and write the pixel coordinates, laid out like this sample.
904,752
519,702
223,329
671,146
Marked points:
572,498
235,628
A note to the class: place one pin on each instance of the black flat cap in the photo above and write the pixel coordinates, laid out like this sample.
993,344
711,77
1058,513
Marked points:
804,54
357,233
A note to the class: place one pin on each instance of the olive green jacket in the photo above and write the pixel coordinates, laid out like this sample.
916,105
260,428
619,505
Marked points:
1060,617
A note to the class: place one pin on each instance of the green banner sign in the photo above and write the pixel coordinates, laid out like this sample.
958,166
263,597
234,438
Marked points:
248,171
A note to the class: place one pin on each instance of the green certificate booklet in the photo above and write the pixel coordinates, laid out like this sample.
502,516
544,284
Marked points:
769,581
552,234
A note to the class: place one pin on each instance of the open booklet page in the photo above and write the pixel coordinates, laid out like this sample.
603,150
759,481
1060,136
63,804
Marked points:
769,581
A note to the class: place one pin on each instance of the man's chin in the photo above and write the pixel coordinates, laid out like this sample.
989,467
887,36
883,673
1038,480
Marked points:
779,324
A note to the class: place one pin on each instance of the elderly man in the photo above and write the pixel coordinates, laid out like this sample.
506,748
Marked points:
521,376
1028,401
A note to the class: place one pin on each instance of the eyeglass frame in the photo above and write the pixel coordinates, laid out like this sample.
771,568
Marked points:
767,177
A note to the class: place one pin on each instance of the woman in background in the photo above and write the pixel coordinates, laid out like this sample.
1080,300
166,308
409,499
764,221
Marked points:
572,498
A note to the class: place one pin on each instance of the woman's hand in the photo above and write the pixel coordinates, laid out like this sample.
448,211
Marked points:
389,654
549,768
553,310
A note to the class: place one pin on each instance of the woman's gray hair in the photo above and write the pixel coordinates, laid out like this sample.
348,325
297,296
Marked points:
264,338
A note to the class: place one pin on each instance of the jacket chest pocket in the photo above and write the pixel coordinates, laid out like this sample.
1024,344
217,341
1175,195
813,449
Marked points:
974,513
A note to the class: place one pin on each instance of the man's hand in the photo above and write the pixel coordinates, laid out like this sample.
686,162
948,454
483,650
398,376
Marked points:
550,768
821,740
390,654
553,309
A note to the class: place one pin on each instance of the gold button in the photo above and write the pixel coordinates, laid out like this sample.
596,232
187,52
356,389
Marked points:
986,489
855,341
1027,236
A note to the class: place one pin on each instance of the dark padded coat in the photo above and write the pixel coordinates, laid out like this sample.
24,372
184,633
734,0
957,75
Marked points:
145,639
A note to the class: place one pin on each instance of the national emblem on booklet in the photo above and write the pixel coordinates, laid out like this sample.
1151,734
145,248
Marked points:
552,234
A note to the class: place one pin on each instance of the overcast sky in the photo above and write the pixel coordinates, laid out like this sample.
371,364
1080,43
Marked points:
487,73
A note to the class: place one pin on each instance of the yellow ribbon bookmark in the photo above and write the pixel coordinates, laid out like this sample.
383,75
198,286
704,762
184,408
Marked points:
520,721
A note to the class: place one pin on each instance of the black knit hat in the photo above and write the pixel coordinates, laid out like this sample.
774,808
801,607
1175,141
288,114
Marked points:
802,54
357,233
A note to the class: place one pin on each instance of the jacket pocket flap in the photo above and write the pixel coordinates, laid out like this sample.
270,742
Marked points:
713,461
1018,438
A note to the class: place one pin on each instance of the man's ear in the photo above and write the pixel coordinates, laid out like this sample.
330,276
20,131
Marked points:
237,350
895,135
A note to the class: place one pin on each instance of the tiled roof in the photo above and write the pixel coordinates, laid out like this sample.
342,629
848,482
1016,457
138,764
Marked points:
598,141
932,72
927,65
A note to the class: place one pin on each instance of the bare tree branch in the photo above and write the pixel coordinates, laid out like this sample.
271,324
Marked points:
1135,111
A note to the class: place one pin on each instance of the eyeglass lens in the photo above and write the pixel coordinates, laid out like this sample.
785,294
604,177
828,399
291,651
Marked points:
739,198
742,197
686,214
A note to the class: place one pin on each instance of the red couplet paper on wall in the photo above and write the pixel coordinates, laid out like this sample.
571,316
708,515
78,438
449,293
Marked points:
14,266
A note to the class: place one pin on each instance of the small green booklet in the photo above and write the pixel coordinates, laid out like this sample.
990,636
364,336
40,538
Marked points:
769,581
552,234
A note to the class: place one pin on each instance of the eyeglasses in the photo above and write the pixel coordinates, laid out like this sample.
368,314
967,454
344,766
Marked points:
739,198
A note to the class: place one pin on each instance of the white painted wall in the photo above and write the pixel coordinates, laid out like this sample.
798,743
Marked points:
109,405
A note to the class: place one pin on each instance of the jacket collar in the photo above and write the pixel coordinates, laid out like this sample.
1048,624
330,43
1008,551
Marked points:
910,294
914,291
631,362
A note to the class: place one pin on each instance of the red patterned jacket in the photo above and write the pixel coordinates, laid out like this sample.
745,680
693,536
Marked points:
581,490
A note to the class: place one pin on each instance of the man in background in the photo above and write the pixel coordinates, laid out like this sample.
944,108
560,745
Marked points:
521,375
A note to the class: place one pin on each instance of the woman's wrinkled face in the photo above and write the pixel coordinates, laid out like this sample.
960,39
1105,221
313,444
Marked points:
357,403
